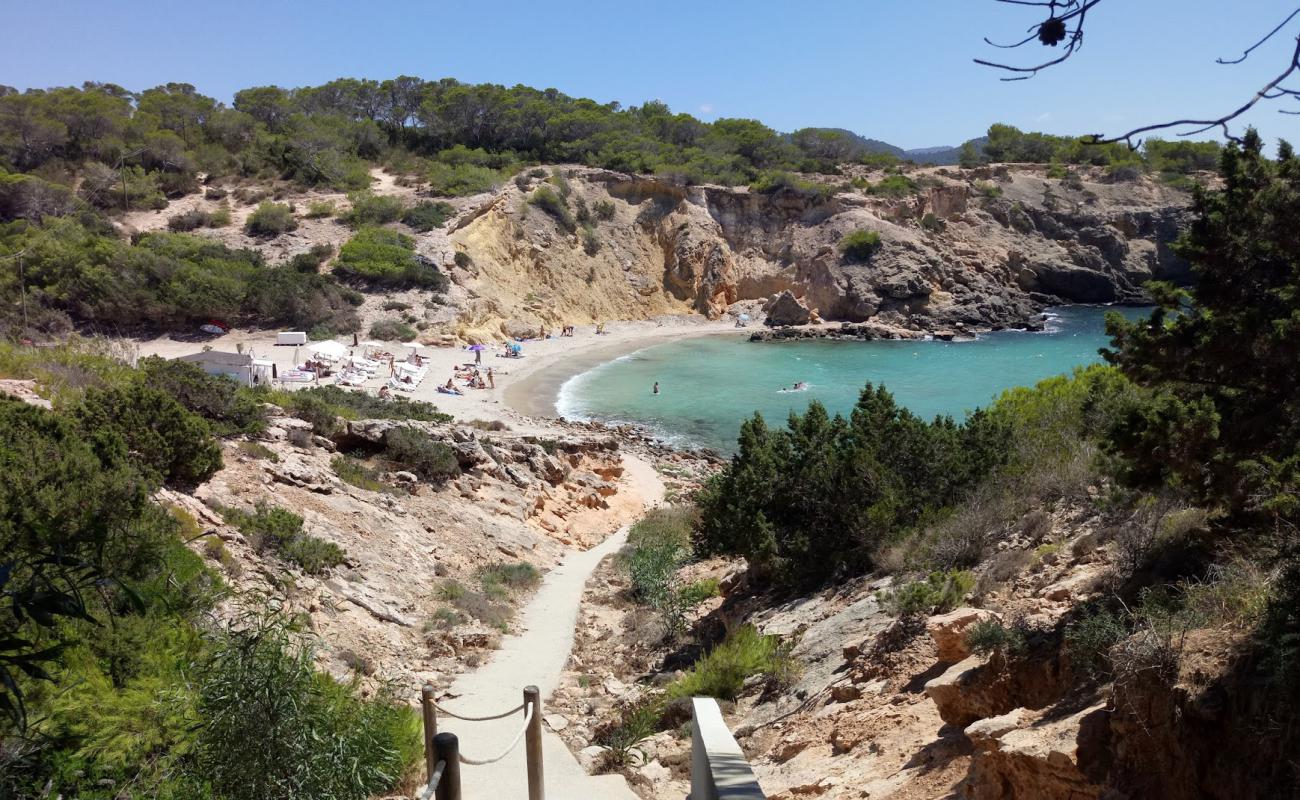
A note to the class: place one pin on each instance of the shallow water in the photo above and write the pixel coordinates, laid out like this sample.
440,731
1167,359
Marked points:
709,384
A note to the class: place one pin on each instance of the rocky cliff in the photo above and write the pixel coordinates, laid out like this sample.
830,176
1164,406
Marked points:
982,248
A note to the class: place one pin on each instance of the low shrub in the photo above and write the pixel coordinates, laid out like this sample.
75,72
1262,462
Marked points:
939,592
425,215
383,257
339,402
860,245
458,180
722,672
550,202
603,209
933,223
320,209
188,220
893,186
416,452
695,593
258,450
220,216
270,219
277,530
372,209
989,190
462,259
988,637
274,728
590,240
392,330
354,473
518,576
1089,639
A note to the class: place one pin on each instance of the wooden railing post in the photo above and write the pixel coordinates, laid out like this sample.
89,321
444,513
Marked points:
533,743
430,729
447,749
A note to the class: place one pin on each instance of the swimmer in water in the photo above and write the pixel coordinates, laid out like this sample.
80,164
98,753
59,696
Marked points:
656,389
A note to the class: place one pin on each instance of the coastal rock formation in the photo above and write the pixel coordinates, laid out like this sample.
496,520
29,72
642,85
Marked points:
786,309
962,251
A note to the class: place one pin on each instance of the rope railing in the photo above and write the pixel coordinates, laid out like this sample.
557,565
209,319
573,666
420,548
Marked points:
502,715
474,762
442,756
430,789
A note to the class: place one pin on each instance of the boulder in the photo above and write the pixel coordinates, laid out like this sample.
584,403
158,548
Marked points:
786,309
949,631
1027,754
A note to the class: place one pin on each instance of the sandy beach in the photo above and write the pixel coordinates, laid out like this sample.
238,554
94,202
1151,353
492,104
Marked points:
526,388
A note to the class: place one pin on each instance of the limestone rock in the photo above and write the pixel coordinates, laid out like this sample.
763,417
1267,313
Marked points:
786,309
949,631
1025,754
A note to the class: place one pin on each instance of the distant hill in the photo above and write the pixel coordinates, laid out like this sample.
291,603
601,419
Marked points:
849,145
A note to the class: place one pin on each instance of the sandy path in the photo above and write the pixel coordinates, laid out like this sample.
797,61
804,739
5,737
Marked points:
537,656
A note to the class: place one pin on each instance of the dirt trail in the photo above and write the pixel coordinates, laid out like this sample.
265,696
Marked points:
537,656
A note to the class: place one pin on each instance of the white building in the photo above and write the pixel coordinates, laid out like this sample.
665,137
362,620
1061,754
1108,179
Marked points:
240,367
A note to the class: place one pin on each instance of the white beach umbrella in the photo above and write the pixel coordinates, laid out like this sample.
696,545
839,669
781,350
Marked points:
329,349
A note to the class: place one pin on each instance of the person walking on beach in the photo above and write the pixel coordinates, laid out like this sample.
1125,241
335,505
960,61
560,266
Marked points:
492,384
656,389
478,356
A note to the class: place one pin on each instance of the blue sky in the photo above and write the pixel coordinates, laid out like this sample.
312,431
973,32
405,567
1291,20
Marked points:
898,70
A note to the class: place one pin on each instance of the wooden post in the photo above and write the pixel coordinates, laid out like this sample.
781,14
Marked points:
430,729
533,743
447,748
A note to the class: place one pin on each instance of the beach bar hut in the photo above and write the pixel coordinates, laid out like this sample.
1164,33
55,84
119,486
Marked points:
240,367
291,338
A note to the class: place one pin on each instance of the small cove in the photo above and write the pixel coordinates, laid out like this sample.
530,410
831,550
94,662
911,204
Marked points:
708,385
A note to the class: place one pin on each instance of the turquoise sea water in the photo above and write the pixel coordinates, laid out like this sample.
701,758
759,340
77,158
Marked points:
709,384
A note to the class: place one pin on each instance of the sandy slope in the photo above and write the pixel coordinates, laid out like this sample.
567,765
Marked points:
537,656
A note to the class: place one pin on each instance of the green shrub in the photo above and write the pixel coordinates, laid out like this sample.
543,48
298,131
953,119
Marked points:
260,451
590,240
359,475
310,261
553,204
462,179
277,530
320,209
270,219
938,593
340,402
162,436
893,186
395,305
188,220
664,525
273,727
425,215
695,593
860,245
1090,637
816,500
520,575
462,259
220,217
387,258
418,453
772,182
988,636
930,222
391,330
217,399
722,672
989,190
372,209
